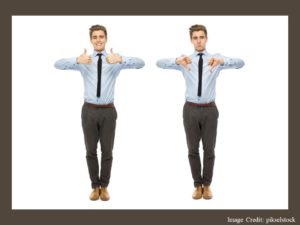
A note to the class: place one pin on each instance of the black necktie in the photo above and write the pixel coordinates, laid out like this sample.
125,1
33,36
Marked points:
99,75
200,65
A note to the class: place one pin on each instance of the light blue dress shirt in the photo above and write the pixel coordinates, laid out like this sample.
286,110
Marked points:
209,76
108,75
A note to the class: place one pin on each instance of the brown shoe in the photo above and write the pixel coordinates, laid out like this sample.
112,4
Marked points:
207,193
95,194
104,195
197,193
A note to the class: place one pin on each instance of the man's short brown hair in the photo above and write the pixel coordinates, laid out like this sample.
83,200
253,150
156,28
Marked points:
97,27
197,27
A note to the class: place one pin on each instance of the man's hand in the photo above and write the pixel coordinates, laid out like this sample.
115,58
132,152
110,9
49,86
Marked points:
184,61
213,62
113,58
84,58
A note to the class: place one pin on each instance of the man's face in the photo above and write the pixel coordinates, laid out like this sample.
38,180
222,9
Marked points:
199,40
98,40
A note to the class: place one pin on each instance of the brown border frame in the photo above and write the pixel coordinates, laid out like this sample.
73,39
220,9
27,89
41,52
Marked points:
135,7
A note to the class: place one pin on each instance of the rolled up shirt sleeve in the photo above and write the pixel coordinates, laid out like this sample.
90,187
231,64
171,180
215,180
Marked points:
232,63
132,63
67,64
168,63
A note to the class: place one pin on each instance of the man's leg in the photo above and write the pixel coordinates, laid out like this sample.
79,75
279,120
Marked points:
91,138
107,136
193,136
209,134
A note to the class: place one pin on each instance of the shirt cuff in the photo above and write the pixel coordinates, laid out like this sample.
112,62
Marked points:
226,62
124,60
74,61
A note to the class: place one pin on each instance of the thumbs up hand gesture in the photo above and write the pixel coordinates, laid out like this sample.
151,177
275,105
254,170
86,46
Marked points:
84,58
113,58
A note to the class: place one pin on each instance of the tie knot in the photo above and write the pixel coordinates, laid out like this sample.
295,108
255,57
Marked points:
200,54
99,59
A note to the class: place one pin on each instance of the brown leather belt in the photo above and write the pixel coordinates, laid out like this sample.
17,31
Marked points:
110,105
201,105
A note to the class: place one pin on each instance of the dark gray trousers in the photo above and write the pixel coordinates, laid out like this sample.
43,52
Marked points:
201,123
99,124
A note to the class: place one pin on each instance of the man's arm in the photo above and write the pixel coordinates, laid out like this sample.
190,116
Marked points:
225,62
125,62
132,63
73,63
234,63
171,63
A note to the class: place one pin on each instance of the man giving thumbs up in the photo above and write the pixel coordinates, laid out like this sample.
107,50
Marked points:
99,71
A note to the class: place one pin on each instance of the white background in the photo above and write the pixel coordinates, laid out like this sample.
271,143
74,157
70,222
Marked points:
150,168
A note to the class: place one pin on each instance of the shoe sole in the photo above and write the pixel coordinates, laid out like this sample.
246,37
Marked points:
207,198
196,198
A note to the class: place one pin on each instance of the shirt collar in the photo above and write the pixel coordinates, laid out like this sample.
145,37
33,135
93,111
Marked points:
102,52
196,52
